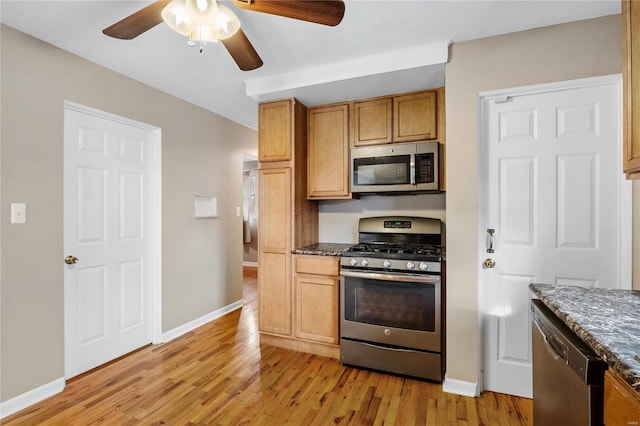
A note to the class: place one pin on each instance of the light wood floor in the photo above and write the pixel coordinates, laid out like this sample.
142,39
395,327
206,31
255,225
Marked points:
219,374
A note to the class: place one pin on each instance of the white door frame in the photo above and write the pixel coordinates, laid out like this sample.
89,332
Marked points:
624,187
155,215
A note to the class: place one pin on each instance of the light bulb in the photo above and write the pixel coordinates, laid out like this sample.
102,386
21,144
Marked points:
202,12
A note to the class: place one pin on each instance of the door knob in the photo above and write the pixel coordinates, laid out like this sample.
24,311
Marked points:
70,260
489,263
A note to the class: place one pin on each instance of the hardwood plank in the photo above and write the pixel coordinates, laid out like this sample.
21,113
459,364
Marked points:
220,374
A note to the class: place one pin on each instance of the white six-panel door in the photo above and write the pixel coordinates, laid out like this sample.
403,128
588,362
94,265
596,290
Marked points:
553,196
107,203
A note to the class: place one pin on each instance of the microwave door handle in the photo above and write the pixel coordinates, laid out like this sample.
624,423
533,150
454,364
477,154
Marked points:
412,169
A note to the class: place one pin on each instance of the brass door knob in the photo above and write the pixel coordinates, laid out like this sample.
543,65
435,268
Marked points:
489,263
70,260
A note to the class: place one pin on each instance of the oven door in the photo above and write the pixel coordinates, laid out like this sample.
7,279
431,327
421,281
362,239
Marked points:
398,310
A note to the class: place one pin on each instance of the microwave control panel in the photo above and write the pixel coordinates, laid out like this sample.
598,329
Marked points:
425,168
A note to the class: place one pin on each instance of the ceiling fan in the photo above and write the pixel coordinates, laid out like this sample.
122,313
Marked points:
196,18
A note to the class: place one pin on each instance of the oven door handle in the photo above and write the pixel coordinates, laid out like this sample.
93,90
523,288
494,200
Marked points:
386,348
425,279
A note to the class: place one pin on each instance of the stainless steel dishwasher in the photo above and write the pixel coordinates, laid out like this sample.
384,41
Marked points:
568,377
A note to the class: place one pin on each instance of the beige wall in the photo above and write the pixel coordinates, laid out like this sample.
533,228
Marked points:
563,52
202,154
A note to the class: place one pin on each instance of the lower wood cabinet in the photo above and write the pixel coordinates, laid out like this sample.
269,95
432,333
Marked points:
274,254
312,324
316,298
621,401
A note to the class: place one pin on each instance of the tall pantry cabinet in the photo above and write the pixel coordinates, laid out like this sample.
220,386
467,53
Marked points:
287,218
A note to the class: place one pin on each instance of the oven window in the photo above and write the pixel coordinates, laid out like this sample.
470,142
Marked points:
389,170
391,304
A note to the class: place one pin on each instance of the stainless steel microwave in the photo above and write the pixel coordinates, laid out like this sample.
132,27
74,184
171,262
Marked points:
395,168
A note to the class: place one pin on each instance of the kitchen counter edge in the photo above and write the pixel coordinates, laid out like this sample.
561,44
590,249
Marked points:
323,249
586,312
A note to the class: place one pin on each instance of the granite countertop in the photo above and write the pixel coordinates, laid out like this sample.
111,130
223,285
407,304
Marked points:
323,249
605,319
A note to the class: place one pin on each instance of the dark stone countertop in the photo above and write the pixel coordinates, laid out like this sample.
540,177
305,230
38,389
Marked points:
323,249
607,320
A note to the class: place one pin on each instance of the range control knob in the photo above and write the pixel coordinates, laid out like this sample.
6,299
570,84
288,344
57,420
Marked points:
424,266
364,262
411,265
386,264
354,262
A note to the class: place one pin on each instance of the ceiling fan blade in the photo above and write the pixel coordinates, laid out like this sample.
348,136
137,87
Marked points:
134,25
242,51
325,12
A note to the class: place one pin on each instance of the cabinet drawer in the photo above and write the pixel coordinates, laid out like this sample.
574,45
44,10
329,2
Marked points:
317,265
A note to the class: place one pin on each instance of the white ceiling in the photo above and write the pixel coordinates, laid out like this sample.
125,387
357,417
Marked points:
380,47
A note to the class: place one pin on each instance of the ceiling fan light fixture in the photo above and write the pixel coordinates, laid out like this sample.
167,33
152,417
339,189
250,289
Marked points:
176,17
226,23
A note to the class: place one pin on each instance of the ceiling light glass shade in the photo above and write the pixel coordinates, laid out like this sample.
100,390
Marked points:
176,17
202,12
227,23
203,33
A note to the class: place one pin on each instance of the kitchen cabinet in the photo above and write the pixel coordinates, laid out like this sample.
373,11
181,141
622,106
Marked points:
328,152
414,117
621,401
372,122
316,298
400,118
275,127
286,218
274,259
631,87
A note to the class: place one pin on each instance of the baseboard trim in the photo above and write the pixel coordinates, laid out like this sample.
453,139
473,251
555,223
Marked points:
252,264
31,397
460,387
199,322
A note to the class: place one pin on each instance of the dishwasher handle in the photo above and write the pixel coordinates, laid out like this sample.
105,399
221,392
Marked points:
554,345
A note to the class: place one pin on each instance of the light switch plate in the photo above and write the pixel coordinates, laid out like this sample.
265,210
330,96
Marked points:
18,213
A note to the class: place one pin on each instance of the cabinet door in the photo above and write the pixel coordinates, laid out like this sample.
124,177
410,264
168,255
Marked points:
274,134
328,152
317,308
372,122
621,401
274,251
631,89
414,117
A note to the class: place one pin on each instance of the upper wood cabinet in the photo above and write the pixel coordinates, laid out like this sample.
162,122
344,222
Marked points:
275,130
372,122
631,87
414,117
401,118
328,152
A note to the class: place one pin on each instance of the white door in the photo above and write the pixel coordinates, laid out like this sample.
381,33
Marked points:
554,191
107,204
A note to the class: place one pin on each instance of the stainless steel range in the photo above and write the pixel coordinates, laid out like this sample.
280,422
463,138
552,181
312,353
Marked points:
391,293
